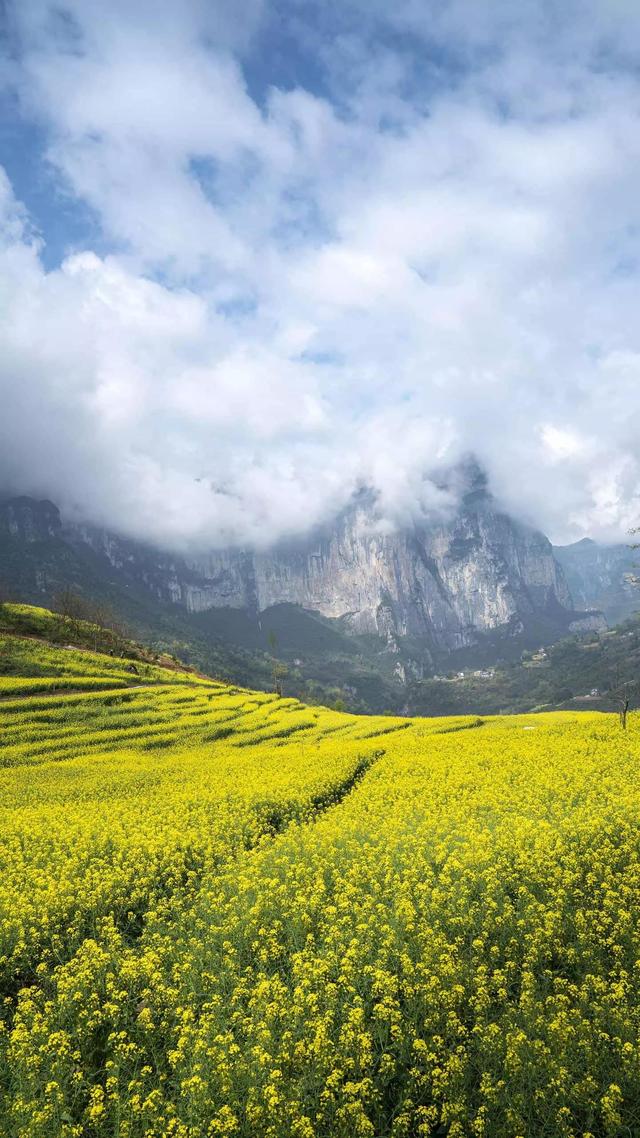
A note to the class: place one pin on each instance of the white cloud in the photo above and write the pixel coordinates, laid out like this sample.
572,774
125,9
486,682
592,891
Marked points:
561,443
437,254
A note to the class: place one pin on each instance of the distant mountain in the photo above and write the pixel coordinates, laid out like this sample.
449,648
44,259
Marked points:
357,614
422,593
598,577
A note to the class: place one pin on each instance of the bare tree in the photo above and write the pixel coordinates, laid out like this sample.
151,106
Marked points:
69,606
77,611
100,616
621,693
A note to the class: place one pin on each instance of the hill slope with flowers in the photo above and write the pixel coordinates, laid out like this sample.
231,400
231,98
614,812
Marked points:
225,913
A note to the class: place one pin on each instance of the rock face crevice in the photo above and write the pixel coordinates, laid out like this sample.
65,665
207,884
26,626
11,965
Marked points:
445,584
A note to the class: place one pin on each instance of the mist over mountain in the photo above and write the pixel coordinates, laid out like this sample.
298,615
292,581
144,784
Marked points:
444,585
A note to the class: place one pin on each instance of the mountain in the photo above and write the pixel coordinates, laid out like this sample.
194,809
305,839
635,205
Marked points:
599,577
352,607
446,583
41,559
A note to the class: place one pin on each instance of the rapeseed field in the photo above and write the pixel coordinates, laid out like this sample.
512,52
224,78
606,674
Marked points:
224,913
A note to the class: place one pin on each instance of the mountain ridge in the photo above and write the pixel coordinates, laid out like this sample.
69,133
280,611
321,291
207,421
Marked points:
446,584
389,659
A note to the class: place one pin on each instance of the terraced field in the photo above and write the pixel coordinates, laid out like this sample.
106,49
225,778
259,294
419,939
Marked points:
224,913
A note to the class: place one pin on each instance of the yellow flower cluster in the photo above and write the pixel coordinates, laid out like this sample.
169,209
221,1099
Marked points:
224,914
37,667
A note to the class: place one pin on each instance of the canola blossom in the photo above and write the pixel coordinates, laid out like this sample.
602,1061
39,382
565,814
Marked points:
224,913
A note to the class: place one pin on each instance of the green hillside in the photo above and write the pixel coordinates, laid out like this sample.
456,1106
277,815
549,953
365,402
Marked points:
44,571
576,672
228,913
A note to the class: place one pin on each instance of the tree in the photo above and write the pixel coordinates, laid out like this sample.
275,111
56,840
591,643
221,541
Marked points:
279,671
101,617
620,693
77,612
70,607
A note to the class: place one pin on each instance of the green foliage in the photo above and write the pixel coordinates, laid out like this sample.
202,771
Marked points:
567,675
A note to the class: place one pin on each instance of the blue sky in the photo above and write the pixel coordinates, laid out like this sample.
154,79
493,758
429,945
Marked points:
255,257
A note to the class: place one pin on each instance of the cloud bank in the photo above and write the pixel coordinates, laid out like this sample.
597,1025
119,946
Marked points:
321,249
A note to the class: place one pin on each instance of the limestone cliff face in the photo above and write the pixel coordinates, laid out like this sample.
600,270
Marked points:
446,583
222,579
600,576
479,573
443,585
29,521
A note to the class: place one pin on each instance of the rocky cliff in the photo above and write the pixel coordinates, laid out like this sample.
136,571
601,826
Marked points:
27,520
445,585
599,577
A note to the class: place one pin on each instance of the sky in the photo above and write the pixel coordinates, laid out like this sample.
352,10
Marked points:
255,257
